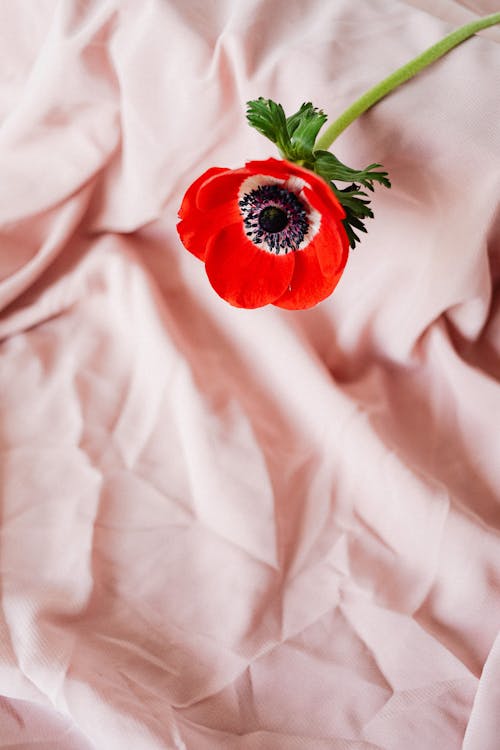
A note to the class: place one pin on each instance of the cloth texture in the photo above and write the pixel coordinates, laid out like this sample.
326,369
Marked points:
227,529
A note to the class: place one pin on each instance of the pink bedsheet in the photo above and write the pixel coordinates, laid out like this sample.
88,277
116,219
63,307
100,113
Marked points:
234,529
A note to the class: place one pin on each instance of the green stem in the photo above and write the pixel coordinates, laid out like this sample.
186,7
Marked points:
401,75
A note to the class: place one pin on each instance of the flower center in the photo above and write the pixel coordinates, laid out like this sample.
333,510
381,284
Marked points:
274,218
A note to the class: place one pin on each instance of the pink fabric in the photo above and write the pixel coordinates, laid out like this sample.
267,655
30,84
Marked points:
237,529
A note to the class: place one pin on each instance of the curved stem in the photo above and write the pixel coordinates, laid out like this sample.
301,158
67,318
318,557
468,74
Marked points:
401,75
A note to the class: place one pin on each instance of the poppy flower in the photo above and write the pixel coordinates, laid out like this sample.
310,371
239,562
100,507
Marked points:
268,233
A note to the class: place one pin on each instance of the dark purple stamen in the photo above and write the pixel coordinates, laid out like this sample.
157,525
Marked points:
274,216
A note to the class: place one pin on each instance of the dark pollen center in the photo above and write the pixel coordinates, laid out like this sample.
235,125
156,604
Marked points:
273,219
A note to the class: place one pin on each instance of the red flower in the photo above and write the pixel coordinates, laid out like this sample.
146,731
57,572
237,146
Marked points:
270,232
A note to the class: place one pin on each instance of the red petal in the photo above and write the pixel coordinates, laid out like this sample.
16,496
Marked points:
316,190
188,204
273,167
196,230
194,236
224,187
221,189
196,227
331,245
323,199
244,275
317,270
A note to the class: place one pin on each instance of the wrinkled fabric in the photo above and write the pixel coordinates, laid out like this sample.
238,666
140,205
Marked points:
245,529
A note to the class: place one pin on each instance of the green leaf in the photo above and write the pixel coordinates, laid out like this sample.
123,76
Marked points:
353,199
269,119
303,128
295,135
330,168
357,210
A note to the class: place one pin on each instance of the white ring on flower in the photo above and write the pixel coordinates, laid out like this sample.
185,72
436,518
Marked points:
294,185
